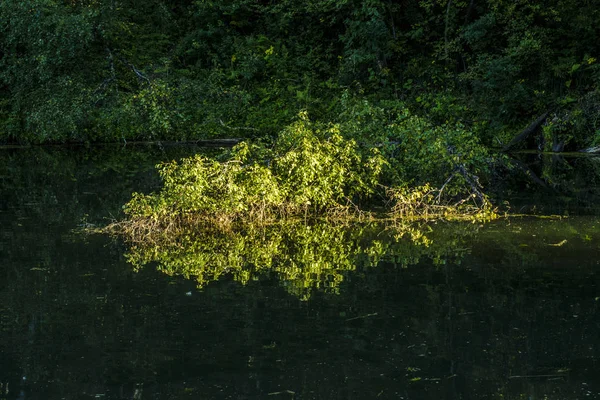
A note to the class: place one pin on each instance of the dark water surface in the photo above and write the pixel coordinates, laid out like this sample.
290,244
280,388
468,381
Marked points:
509,310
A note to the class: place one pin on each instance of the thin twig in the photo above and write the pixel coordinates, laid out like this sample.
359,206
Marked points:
537,376
362,316
282,392
237,128
437,199
130,65
446,29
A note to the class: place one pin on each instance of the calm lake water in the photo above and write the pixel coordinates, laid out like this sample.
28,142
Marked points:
507,310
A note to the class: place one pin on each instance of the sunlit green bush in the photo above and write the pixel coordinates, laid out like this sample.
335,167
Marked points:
306,169
371,157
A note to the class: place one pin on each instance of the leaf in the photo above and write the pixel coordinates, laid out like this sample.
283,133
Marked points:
575,67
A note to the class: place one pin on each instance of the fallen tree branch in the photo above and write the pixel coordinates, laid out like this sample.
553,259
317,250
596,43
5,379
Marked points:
527,131
595,149
528,172
131,66
473,181
229,142
439,196
469,11
109,80
237,128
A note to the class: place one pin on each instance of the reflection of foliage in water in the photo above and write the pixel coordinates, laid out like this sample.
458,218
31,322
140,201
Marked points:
93,182
303,257
518,305
553,184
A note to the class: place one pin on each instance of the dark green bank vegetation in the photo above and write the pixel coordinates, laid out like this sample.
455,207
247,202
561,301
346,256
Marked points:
402,105
95,70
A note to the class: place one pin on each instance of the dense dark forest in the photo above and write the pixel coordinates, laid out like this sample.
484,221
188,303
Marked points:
120,70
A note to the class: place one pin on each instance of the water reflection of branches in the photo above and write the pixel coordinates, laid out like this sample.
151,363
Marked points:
304,257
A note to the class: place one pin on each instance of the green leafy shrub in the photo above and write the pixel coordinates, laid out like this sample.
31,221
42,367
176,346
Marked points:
319,169
306,169
417,152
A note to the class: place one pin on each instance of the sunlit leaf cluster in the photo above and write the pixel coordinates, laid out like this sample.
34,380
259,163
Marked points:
306,169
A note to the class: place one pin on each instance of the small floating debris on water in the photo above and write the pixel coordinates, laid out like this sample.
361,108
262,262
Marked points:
362,316
282,392
558,244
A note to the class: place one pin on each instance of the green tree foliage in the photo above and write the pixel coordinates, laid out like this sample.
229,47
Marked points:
530,55
96,70
43,82
417,150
